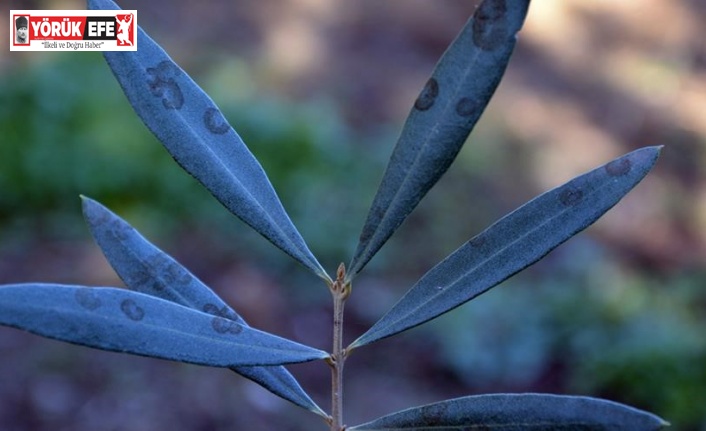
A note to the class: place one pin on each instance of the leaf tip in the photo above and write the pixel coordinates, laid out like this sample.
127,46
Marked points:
87,203
648,154
94,213
662,423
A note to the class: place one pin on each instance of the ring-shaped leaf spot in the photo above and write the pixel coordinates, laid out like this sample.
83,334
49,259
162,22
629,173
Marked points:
121,320
516,412
513,243
193,130
146,269
441,119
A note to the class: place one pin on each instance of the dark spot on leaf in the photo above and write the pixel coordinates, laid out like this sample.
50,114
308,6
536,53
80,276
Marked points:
571,197
157,284
466,107
433,415
164,85
618,168
366,234
225,326
138,279
489,29
230,314
132,310
428,95
101,218
87,298
214,121
477,241
119,230
224,312
211,309
160,272
163,71
177,274
150,276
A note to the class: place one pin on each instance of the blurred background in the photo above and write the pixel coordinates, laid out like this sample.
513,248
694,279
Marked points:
319,89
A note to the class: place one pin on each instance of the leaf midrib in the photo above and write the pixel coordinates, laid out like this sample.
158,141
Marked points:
442,115
68,311
282,234
485,262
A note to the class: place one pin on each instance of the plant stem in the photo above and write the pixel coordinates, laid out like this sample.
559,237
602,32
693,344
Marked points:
340,289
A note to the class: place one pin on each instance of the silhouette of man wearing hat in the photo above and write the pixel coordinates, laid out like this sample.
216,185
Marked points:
21,35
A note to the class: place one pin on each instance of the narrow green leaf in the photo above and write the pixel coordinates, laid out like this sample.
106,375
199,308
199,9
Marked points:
514,242
518,412
147,269
121,320
201,140
442,117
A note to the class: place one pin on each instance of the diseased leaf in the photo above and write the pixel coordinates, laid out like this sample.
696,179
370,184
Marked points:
442,117
514,242
518,412
147,269
124,321
201,140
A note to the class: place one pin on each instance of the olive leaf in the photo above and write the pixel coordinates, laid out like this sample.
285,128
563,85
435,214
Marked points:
121,320
443,115
515,412
514,242
147,269
200,139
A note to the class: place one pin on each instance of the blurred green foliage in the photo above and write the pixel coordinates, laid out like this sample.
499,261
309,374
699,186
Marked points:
66,131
